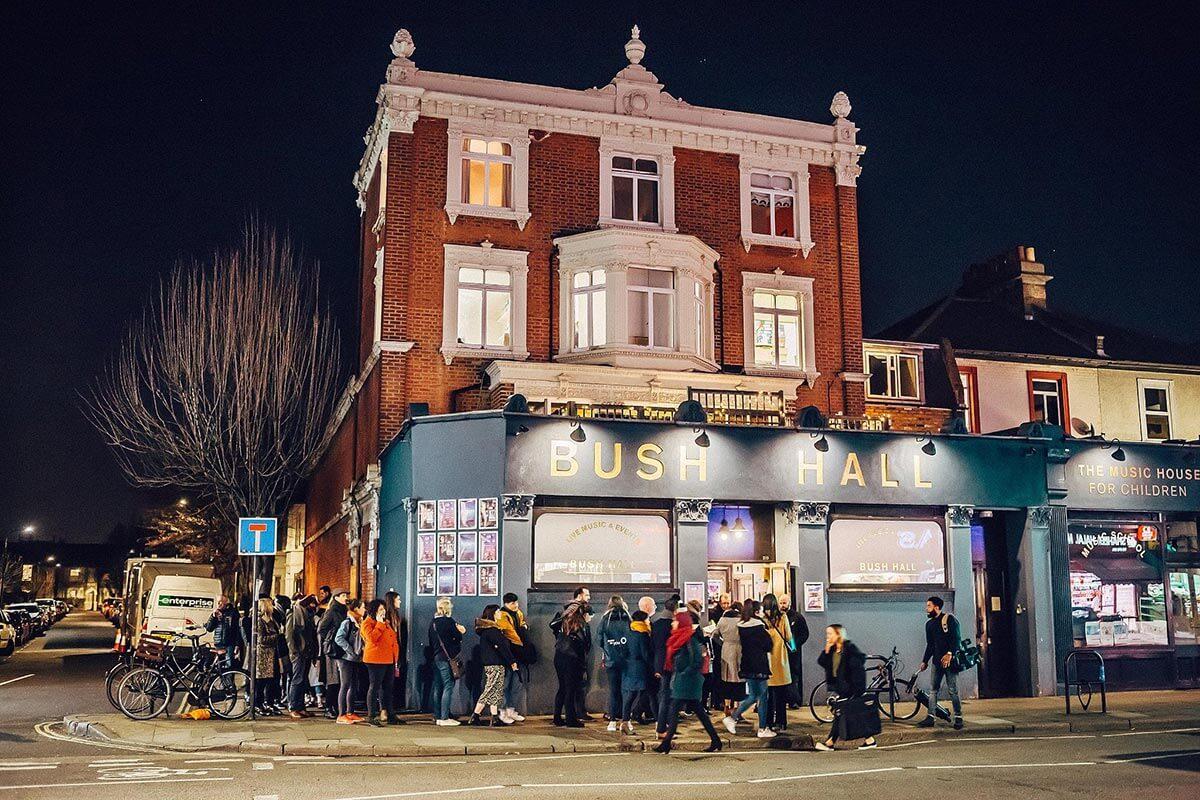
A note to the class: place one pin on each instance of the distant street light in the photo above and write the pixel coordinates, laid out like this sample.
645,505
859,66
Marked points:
182,503
28,530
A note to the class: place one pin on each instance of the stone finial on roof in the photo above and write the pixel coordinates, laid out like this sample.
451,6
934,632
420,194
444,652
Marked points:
635,48
840,107
402,44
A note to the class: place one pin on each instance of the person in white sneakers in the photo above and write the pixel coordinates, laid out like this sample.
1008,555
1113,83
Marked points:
755,669
511,622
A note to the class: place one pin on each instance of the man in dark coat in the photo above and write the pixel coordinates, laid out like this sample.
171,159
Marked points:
226,629
660,632
796,656
300,633
942,635
333,618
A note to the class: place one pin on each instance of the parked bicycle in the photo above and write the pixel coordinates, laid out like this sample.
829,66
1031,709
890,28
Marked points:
145,691
899,698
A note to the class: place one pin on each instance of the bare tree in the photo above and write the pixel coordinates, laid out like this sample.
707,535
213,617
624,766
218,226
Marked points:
194,532
226,385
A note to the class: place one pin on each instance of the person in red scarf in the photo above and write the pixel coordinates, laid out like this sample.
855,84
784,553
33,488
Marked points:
685,660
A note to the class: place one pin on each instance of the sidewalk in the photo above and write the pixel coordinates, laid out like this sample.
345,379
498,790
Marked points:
320,737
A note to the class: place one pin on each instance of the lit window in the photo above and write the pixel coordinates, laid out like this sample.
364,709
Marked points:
772,202
588,309
487,173
1155,400
1047,398
484,302
893,376
635,184
651,300
700,309
777,330
970,394
484,308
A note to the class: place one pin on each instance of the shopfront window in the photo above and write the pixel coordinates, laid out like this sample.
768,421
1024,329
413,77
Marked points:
1185,594
614,549
1117,590
886,553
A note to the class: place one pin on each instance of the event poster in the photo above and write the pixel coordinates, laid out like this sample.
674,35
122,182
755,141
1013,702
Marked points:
445,579
426,548
489,512
447,548
468,575
489,580
814,596
489,546
447,520
468,512
425,581
468,545
426,515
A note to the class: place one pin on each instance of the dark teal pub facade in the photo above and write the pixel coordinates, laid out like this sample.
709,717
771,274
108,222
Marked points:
857,527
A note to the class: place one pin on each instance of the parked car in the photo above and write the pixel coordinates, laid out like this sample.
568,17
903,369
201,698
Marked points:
51,607
21,622
8,638
41,619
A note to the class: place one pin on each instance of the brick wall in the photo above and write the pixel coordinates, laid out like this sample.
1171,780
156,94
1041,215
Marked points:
910,418
327,560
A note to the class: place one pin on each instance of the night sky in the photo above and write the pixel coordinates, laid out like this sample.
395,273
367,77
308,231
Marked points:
137,134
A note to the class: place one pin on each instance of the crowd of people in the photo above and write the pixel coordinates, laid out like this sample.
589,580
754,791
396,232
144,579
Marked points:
335,654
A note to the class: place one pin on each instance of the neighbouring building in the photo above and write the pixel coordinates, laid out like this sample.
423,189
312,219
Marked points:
1127,579
287,577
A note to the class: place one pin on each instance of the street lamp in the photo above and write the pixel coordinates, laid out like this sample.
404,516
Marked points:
28,530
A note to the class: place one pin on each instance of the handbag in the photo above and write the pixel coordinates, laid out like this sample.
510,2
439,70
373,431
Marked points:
457,667
965,656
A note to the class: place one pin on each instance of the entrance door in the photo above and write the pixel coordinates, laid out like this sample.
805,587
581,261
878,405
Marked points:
994,618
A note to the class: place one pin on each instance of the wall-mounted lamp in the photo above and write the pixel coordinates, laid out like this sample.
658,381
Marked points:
822,444
702,437
929,448
577,433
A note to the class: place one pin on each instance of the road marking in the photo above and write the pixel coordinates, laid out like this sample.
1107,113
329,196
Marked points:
826,775
338,762
261,765
549,758
619,785
906,744
108,783
1011,766
1152,733
14,680
215,761
13,768
266,797
424,793
46,729
1151,758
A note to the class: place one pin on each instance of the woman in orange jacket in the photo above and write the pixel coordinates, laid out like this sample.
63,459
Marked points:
381,652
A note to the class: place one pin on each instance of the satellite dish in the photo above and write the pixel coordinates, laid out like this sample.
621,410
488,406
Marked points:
1082,428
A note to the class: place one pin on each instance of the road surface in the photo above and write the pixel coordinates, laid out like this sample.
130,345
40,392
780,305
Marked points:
64,673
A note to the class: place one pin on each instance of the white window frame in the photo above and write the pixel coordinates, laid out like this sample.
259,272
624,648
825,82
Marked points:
484,256
664,155
517,138
378,312
801,205
1057,394
650,292
589,292
779,283
616,250
1165,386
893,355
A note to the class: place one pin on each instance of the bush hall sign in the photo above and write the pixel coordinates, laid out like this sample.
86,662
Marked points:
623,459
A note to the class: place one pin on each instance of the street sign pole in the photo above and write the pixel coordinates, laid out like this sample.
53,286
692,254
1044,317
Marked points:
253,634
257,536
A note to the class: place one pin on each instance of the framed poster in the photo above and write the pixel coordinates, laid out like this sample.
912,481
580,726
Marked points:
468,545
468,512
489,546
446,547
446,517
445,579
814,596
426,548
489,512
468,575
489,580
426,515
694,591
426,582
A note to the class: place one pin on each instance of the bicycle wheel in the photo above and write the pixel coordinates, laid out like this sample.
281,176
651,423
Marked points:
143,693
229,694
906,703
818,703
111,680
1084,692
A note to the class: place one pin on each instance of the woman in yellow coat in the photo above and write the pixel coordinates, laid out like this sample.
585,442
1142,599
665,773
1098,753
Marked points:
780,631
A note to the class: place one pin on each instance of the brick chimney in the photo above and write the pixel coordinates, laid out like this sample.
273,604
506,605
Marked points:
1016,277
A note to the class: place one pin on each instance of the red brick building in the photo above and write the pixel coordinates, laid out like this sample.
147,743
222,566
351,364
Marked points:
607,252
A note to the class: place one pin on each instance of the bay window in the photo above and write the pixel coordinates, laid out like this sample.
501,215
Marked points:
650,309
588,309
484,302
779,325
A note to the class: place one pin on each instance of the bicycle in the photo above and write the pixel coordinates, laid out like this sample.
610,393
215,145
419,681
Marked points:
146,691
899,699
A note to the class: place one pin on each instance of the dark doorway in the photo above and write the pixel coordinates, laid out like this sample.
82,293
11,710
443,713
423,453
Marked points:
994,618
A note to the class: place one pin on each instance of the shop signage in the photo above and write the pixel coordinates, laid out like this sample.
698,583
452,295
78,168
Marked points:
178,601
1151,478
756,464
1089,540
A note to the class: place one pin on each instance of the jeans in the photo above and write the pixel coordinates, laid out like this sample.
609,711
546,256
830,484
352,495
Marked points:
298,684
756,694
951,679
615,705
346,688
443,689
633,704
379,690
701,712
777,701
570,681
512,687
664,702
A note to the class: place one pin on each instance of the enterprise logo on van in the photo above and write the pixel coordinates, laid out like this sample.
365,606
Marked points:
175,601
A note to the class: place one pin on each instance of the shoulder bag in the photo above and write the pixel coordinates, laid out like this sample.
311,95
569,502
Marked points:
457,667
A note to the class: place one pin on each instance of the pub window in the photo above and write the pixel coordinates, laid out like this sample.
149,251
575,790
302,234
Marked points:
651,301
893,376
886,553
1048,397
635,185
487,166
484,308
588,309
1117,590
1154,399
580,548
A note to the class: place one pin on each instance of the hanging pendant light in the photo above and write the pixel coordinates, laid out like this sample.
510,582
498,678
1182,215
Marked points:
723,529
739,527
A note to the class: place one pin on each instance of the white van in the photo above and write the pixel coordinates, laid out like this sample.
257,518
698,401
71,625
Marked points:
175,599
